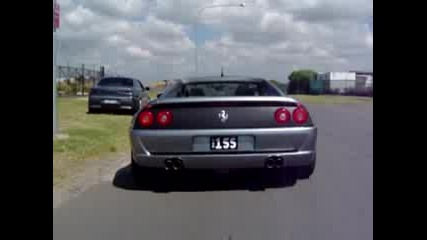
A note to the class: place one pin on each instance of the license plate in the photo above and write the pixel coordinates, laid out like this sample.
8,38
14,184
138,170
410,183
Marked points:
224,143
110,102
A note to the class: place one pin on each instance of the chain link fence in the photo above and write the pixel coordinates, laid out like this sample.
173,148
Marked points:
75,81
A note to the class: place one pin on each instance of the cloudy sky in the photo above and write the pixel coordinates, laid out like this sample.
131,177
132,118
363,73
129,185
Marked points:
154,40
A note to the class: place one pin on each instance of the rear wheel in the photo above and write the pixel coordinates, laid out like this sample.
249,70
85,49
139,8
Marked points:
280,177
91,110
150,178
140,175
305,172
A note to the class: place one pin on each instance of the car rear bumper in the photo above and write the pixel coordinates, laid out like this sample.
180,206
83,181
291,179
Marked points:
98,102
227,161
296,146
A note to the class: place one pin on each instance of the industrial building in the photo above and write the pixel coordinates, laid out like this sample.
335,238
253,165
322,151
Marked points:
341,81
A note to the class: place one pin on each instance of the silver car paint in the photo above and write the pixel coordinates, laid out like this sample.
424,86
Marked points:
296,145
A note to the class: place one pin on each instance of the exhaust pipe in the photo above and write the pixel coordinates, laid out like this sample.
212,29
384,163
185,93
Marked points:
168,164
274,162
269,163
177,164
278,163
174,164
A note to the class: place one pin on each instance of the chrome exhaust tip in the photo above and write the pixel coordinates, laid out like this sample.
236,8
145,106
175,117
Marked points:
269,163
177,164
169,164
278,162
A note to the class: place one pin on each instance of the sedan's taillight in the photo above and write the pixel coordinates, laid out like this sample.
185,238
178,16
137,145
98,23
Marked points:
93,91
164,118
145,118
300,114
126,93
282,115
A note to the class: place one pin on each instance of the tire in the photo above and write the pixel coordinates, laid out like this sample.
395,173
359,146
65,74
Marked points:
305,172
281,177
91,110
147,178
140,175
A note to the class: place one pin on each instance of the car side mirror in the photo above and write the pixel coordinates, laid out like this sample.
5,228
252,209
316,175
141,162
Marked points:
147,88
159,94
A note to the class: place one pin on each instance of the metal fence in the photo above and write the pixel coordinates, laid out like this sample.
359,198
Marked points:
67,72
77,80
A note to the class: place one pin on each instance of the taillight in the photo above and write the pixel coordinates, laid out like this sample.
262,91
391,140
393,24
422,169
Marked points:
128,93
164,118
300,114
282,115
146,119
93,91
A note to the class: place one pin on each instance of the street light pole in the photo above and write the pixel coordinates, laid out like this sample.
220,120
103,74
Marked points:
55,118
196,60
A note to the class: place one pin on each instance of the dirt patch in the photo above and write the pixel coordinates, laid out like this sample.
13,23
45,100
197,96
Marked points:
94,173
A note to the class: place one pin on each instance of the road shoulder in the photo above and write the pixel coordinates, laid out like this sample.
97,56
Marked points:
94,173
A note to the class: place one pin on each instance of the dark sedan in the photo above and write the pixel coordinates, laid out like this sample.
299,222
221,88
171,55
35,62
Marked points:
118,93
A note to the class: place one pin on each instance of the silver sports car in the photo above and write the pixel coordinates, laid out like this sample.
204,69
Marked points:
223,123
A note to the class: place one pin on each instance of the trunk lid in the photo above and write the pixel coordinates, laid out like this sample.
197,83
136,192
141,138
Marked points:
111,91
223,112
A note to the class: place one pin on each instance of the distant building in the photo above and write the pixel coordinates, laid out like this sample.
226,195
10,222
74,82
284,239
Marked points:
338,81
343,81
364,79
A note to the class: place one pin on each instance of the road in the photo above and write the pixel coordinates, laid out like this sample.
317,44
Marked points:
336,203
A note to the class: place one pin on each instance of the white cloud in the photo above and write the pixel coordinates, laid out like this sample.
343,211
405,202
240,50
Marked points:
138,52
369,40
265,38
79,16
119,8
116,40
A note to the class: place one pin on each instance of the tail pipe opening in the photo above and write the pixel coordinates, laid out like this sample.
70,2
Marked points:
173,164
274,162
269,163
168,164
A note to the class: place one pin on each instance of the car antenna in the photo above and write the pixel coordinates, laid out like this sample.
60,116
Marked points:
222,72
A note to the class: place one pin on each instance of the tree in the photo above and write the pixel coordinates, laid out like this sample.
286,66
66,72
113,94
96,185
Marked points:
299,81
282,86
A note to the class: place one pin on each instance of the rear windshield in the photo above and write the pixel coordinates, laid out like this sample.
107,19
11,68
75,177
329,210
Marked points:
222,89
116,82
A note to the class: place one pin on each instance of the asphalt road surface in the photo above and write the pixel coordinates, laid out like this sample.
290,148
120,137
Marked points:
336,203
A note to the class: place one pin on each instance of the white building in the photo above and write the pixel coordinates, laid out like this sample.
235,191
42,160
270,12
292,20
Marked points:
365,80
338,80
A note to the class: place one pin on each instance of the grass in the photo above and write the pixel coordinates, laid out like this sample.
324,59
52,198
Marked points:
153,93
90,137
332,99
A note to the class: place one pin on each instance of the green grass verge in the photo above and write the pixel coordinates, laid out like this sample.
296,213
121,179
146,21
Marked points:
332,99
90,137
153,93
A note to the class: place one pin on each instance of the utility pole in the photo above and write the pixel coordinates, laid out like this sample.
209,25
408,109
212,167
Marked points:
83,80
55,26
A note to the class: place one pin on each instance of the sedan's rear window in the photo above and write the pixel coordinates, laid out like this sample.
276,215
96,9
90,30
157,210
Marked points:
223,89
116,82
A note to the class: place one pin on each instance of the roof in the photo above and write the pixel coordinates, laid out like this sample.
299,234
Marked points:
219,78
363,72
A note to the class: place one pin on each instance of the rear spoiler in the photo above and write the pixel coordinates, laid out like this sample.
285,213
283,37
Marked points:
258,99
224,102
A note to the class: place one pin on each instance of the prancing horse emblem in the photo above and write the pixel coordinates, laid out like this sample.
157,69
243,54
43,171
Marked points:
223,116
